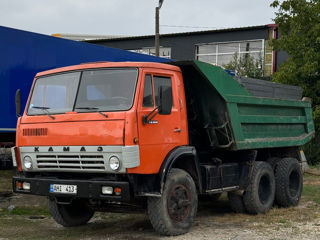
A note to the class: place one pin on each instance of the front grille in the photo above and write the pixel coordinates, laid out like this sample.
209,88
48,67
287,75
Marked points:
71,162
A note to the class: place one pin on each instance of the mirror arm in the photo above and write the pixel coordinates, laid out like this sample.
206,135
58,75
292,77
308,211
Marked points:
146,118
155,114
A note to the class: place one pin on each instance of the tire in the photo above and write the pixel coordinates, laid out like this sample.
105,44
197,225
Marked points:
236,202
69,215
173,213
259,195
273,162
289,182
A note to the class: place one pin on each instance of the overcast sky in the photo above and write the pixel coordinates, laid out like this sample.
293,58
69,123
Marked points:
128,17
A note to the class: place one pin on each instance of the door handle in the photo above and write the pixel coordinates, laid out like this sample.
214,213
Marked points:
177,130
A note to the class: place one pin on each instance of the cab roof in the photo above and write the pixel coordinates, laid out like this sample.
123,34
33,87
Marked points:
92,65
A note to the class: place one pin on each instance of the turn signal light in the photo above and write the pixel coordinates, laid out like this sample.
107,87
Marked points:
117,191
18,185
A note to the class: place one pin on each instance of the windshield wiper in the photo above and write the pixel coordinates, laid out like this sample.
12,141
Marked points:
45,109
93,108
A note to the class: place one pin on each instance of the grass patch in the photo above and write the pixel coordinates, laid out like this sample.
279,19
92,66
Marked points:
317,166
311,193
6,174
282,221
25,211
6,180
311,188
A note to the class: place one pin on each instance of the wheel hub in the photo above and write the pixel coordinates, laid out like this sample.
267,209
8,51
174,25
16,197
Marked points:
179,203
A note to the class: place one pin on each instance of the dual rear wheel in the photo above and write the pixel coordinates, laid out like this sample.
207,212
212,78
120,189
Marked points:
278,181
289,182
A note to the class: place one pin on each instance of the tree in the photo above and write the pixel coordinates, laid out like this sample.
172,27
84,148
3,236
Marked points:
298,24
246,66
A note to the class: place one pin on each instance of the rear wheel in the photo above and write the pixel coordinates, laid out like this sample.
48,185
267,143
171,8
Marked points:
289,182
273,162
173,213
69,215
259,196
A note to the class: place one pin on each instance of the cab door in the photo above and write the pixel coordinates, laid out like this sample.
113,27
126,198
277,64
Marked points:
163,133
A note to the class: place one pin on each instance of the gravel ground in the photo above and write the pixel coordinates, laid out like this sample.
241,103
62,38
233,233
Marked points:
214,221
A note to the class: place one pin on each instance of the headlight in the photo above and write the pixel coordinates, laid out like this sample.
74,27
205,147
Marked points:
27,162
114,163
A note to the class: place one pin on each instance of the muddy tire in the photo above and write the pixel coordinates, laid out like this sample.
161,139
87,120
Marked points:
236,202
173,213
273,162
289,182
259,195
69,215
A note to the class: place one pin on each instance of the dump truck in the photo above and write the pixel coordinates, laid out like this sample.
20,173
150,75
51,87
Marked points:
154,136
24,54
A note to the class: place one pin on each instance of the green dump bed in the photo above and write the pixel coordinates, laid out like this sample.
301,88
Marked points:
223,114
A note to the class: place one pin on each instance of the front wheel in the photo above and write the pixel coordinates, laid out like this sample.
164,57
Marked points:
173,213
69,215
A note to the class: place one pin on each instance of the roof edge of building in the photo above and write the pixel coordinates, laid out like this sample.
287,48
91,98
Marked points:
184,33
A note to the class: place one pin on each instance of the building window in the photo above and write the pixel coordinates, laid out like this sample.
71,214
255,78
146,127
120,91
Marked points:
222,53
164,52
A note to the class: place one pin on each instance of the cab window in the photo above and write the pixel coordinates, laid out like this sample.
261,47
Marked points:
147,93
152,86
158,83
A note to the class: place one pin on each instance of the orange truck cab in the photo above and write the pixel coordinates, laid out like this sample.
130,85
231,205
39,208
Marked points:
98,136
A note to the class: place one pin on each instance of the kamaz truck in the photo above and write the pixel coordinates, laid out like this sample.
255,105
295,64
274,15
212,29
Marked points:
115,136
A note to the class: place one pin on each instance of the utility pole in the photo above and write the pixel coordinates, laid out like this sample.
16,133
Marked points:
157,35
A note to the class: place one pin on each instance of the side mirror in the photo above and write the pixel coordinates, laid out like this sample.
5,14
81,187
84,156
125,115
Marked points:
166,101
18,103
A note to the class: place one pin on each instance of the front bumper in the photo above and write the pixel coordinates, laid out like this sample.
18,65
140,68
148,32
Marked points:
89,189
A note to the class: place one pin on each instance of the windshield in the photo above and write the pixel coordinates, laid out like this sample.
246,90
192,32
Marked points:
99,90
54,94
107,90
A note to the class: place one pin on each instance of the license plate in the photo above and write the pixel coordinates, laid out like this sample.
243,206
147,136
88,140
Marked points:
58,188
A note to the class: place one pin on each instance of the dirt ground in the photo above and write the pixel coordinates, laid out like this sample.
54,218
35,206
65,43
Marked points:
27,217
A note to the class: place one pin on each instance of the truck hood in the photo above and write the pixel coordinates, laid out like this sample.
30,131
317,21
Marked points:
73,129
